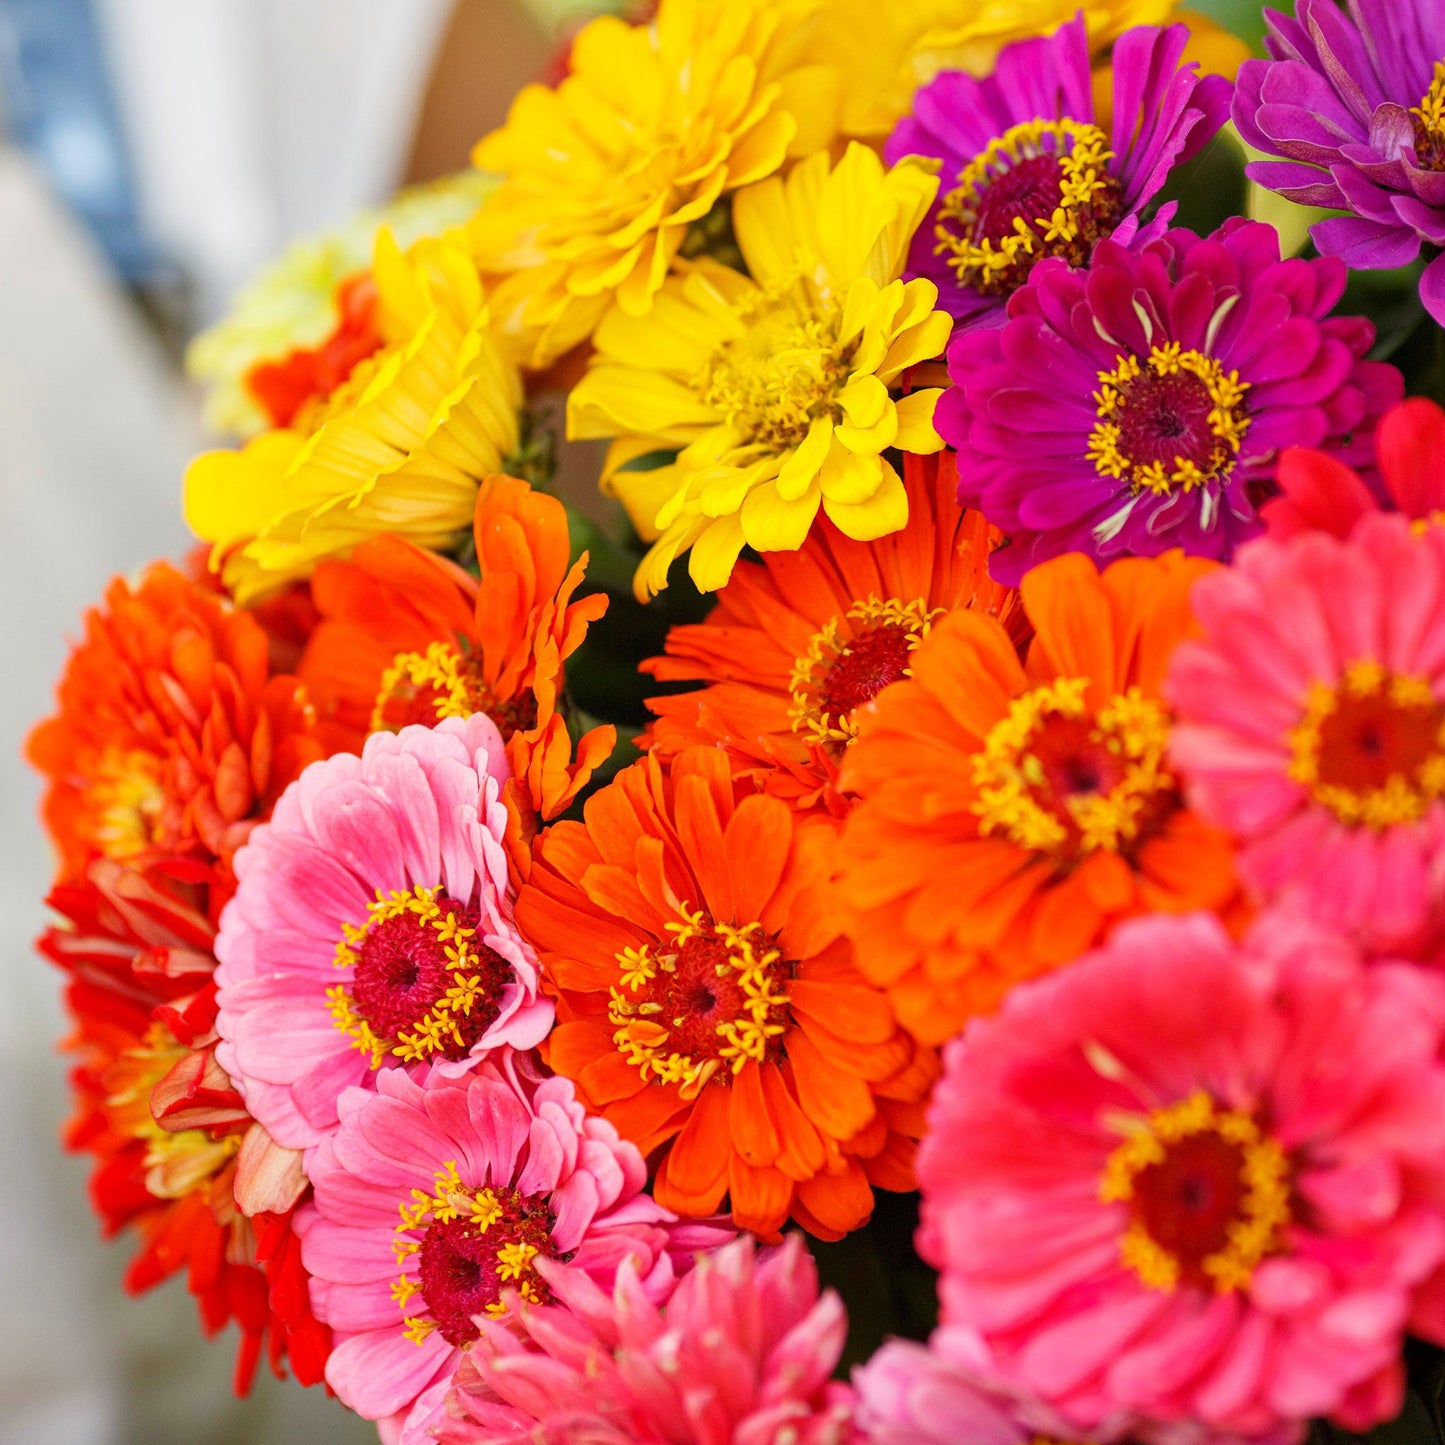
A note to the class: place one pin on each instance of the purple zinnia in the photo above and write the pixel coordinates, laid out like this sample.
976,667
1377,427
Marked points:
1142,404
1354,98
1028,173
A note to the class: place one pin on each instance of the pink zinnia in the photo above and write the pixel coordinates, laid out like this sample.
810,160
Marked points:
1319,493
371,928
1312,723
741,1354
432,1201
1197,1180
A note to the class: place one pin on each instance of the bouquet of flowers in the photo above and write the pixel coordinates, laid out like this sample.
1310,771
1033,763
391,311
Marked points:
916,915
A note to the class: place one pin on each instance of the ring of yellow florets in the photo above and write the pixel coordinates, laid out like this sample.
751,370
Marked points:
1429,122
835,675
126,801
1063,164
1051,799
1371,748
781,372
440,1027
442,682
495,1232
1241,1211
1182,395
717,990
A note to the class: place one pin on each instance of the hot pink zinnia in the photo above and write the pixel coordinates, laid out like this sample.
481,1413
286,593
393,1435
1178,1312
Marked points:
371,928
1196,1180
1312,723
741,1354
432,1200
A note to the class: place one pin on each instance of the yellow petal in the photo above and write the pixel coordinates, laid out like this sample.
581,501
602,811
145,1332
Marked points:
849,478
915,422
230,496
772,524
800,470
884,513
715,553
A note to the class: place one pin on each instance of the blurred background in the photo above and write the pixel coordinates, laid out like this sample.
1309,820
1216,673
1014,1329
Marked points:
153,155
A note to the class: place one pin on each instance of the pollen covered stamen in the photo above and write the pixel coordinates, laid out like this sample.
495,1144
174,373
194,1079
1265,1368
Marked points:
1371,747
1175,421
1056,777
422,983
1208,1194
442,682
1429,122
698,1011
459,1247
1043,188
850,661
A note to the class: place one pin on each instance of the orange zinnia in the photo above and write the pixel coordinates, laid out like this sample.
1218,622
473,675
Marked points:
706,1002
1009,814
172,737
408,637
172,1142
801,641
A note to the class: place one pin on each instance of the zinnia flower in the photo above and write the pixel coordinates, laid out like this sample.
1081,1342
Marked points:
604,176
399,447
1010,813
1196,1180
886,52
1320,494
431,1202
798,644
178,1160
778,387
1029,171
1312,722
408,637
741,1351
371,929
299,329
170,738
1142,405
706,1003
1353,103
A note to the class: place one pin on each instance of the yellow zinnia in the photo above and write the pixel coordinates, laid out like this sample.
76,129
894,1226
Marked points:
775,386
400,447
884,51
603,175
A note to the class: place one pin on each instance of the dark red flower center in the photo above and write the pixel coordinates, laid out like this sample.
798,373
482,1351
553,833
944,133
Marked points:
422,982
443,681
1166,419
869,663
1366,741
1188,1201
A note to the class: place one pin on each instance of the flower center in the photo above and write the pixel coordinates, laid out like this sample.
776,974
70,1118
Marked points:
1372,748
126,803
1208,1194
1054,777
1041,189
421,983
468,1245
425,687
1175,421
1429,120
706,1005
850,661
779,374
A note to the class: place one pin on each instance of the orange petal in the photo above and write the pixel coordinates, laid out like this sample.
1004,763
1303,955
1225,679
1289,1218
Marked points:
759,1197
841,1201
696,1167
837,1102
801,1154
753,1134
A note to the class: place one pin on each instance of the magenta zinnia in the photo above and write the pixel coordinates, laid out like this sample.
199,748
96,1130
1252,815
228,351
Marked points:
372,929
1142,404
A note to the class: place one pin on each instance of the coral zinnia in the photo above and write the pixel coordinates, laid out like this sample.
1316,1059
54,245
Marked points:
408,637
777,386
1320,494
1353,104
399,447
741,1352
1312,722
705,999
371,928
432,1201
1030,172
177,1156
1141,405
1195,1180
1009,813
170,739
797,645
603,176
